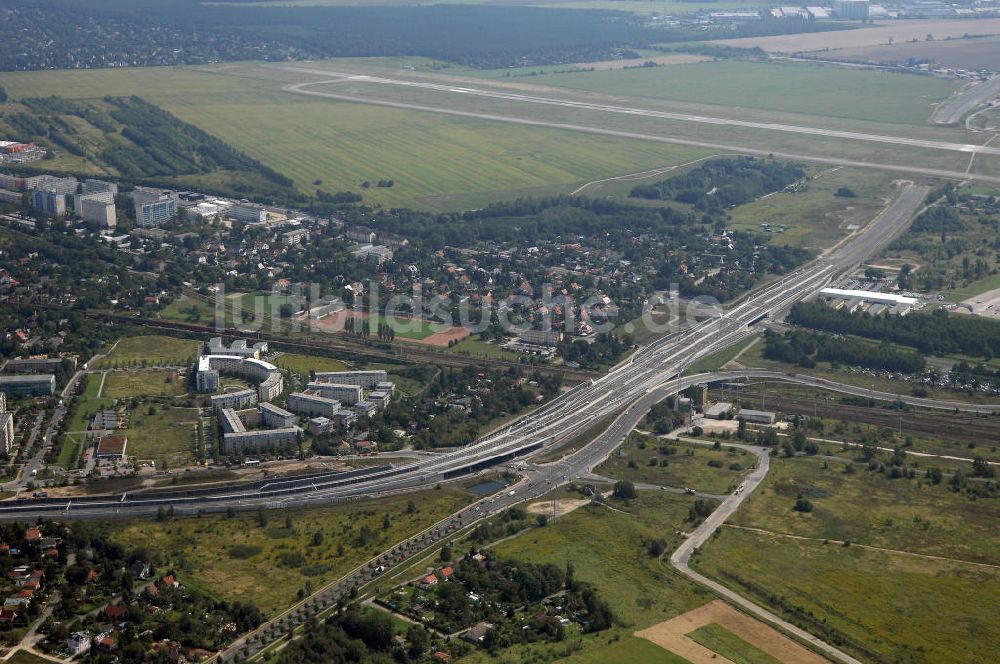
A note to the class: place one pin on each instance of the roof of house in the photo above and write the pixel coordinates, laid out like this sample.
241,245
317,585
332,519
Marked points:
115,611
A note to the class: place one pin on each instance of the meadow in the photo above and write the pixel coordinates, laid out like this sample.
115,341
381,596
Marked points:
869,508
165,436
639,459
241,558
88,403
882,607
151,383
814,216
149,350
303,364
608,549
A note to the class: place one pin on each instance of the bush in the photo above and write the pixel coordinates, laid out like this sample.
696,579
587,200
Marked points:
291,559
244,551
624,490
803,505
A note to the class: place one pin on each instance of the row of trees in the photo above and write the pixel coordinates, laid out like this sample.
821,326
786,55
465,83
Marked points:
936,332
806,348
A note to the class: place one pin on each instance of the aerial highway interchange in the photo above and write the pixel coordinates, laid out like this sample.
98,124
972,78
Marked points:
648,376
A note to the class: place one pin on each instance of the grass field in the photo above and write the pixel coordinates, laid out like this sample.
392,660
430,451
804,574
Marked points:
798,88
24,657
868,508
428,156
88,403
973,289
407,328
688,467
150,383
609,550
815,217
166,437
721,641
150,350
882,607
187,309
473,346
237,559
715,361
303,364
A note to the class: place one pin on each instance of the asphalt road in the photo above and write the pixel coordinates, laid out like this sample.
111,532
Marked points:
952,111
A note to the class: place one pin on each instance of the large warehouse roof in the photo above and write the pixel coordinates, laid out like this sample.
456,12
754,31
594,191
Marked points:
867,296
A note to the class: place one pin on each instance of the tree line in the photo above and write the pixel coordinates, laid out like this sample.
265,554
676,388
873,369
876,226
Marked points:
936,332
805,348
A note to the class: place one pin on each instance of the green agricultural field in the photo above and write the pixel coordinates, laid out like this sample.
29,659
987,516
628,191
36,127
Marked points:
239,559
150,383
879,606
810,89
303,364
166,436
869,508
720,640
687,466
150,350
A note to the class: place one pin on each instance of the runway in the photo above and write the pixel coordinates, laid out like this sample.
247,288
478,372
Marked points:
643,112
302,89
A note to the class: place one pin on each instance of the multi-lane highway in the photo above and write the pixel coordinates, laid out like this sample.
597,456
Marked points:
649,376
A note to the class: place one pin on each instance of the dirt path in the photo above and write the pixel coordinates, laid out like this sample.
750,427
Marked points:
869,547
672,635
